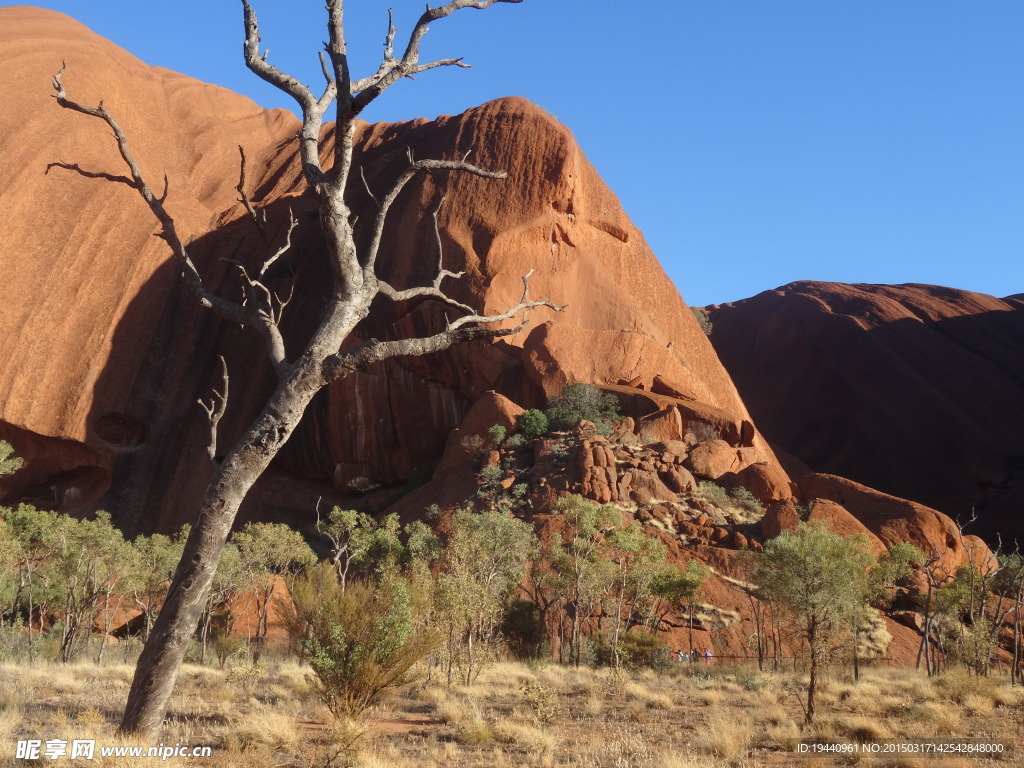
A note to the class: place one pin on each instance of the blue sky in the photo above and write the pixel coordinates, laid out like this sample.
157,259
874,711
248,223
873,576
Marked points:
755,142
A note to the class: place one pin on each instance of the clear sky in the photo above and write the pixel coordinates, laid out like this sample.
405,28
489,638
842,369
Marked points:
755,142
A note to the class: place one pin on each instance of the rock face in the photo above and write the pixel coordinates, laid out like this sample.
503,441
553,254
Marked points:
895,520
106,353
912,389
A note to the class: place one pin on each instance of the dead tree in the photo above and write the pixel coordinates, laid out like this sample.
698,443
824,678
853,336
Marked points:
300,373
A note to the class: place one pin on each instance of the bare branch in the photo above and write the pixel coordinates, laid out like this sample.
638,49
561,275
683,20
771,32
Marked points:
392,70
414,168
433,290
366,185
374,351
292,223
168,233
244,198
313,109
268,72
215,410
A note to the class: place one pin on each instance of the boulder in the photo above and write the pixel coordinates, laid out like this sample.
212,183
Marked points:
766,482
779,517
712,459
678,479
490,410
661,426
644,488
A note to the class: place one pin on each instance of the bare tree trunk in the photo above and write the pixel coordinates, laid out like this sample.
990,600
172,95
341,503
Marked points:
157,669
355,285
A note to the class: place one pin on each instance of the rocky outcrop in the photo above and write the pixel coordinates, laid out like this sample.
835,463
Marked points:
105,349
784,516
895,520
911,389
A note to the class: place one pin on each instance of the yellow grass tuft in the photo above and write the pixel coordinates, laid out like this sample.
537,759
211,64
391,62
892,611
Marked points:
724,735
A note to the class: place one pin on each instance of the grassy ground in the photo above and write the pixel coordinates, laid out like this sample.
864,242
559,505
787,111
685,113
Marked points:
689,717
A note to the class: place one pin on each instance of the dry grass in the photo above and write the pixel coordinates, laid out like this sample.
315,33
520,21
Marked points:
693,718
724,735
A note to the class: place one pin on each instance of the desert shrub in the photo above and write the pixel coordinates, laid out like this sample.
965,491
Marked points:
542,701
582,402
712,493
724,735
226,646
247,676
703,320
497,434
637,650
701,431
11,641
746,500
359,639
522,627
515,441
532,424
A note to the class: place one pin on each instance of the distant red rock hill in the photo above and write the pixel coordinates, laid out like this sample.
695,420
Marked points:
915,390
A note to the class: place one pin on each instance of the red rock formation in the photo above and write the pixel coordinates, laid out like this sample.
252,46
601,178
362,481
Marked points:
784,517
895,520
912,389
106,351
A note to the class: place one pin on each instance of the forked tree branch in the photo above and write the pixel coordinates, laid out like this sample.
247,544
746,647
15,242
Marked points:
252,316
464,329
215,410
313,109
399,184
243,196
391,70
433,290
169,233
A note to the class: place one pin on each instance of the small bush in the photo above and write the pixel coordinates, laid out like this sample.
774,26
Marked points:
703,320
532,424
712,493
360,640
472,444
543,702
582,402
227,646
497,434
746,500
701,431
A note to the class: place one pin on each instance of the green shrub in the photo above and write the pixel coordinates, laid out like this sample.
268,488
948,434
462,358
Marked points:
532,424
637,649
746,500
712,493
582,401
497,434
543,702
359,639
703,320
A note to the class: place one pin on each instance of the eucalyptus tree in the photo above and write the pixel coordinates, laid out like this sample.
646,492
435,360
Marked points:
483,564
269,552
301,370
821,580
